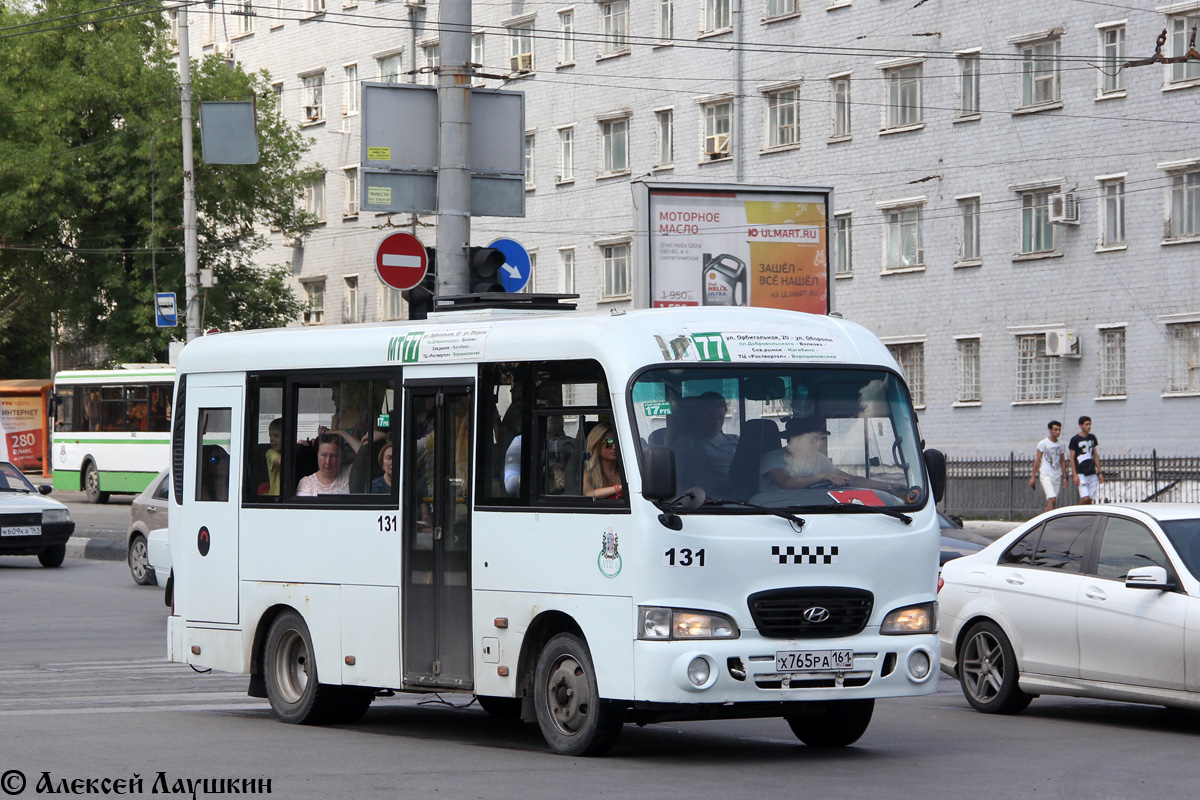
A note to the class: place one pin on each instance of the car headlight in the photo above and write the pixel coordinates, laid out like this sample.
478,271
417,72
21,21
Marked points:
921,618
679,623
55,515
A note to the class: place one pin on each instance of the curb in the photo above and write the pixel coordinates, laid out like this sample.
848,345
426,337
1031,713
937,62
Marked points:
95,549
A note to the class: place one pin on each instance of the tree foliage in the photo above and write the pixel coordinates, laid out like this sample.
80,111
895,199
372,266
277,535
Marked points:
91,185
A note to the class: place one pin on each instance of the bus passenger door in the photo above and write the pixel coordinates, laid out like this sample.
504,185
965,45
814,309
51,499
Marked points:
436,602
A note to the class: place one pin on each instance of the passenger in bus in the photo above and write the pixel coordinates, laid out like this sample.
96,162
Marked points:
330,477
803,463
702,454
383,484
602,479
214,473
274,456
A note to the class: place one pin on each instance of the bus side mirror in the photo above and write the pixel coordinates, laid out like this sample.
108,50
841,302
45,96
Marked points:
658,473
935,464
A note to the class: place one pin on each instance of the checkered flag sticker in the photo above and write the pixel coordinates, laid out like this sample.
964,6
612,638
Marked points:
805,554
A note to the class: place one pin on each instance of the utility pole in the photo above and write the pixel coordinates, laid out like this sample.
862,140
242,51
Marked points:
454,146
191,270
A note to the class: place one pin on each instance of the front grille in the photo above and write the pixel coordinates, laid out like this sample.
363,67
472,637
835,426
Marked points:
779,613
21,519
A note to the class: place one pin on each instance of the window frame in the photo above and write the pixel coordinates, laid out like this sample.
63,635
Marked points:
716,120
353,84
566,42
1183,357
1183,201
664,138
843,250
314,289
895,224
566,155
350,205
1111,213
841,104
1036,74
1036,224
1178,36
970,216
1111,80
903,90
610,263
1113,363
314,97
968,370
520,43
382,63
969,70
1038,377
614,131
910,355
782,117
716,16
614,23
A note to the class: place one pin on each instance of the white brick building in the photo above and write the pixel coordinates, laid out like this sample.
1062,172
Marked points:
944,127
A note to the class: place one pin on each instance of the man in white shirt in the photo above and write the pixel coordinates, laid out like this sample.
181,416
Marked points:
1050,465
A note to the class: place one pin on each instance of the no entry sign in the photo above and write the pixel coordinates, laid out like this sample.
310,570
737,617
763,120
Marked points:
400,261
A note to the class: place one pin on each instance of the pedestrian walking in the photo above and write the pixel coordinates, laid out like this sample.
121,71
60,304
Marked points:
1050,464
1085,462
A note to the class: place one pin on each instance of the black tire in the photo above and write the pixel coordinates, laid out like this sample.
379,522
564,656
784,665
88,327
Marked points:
139,565
574,720
988,673
53,556
91,484
500,707
290,670
832,723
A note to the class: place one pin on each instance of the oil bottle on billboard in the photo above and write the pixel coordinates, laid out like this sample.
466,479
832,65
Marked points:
724,280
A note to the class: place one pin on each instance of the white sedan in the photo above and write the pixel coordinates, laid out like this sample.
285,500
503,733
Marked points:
1095,601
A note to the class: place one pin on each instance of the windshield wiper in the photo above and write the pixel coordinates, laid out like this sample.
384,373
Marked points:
855,508
777,512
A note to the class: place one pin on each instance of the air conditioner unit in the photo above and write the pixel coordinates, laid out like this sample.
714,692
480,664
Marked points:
1063,208
1062,343
716,145
522,62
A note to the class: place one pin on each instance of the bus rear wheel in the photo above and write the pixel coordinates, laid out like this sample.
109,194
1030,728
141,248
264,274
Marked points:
91,485
574,720
832,723
290,670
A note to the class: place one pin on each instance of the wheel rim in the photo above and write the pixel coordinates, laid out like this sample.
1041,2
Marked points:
291,666
568,695
983,667
138,563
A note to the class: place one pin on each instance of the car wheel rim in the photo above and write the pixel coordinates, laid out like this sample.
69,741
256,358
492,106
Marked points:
138,562
291,666
569,695
983,667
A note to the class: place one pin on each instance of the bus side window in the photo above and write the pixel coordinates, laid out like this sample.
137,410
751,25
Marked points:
264,448
64,409
159,420
505,423
212,472
91,410
562,454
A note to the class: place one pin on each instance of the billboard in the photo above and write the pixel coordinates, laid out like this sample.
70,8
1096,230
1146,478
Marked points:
23,423
739,246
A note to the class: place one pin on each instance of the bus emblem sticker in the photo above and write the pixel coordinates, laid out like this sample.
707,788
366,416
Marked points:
805,554
609,559
203,541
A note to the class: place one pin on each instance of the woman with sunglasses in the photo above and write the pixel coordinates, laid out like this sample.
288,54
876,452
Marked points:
602,478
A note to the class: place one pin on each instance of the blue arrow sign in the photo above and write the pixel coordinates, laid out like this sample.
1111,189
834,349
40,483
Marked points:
514,274
166,313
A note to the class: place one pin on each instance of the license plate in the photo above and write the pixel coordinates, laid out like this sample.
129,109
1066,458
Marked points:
814,660
21,530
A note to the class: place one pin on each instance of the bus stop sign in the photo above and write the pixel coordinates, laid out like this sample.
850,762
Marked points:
401,261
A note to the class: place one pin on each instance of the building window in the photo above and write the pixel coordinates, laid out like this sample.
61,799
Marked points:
968,209
277,96
1185,205
841,107
245,14
783,118
477,51
566,42
314,198
1037,232
566,155
350,206
911,357
390,67
520,48
1112,362
1037,373
666,19
314,310
530,182
1112,56
432,54
616,270
902,247
314,6
350,302
1181,36
1040,73
567,258
615,18
717,126
1112,212
314,97
968,85
664,146
970,389
173,23
843,247
530,285
391,302
780,8
717,15
352,88
1185,357
614,138
903,85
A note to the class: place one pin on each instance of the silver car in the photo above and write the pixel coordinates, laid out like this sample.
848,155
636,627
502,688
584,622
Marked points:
148,513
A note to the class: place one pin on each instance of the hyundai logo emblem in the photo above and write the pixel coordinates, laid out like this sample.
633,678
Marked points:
816,614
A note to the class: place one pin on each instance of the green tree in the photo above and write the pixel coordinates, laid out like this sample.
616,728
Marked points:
91,185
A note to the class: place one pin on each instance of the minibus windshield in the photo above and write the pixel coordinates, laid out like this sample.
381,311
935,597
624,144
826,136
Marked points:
784,437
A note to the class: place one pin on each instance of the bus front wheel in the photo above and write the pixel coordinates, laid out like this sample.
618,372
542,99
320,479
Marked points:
290,669
91,485
574,720
832,723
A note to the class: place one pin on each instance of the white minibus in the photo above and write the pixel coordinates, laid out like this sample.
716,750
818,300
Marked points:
582,519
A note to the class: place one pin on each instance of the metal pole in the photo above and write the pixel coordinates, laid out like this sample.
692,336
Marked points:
1011,472
738,144
454,147
1154,467
191,271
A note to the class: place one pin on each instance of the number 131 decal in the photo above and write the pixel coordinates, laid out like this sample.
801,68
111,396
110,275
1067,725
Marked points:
683,557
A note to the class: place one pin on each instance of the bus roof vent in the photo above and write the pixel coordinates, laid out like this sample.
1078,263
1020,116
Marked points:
506,301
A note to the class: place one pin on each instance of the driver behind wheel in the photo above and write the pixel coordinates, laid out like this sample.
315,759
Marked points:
803,463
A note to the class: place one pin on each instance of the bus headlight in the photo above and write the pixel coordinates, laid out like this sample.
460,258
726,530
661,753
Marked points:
53,516
921,618
677,623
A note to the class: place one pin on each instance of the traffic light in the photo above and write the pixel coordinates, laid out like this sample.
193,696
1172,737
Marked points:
482,265
420,297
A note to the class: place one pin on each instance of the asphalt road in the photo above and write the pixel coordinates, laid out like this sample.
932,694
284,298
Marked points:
85,692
